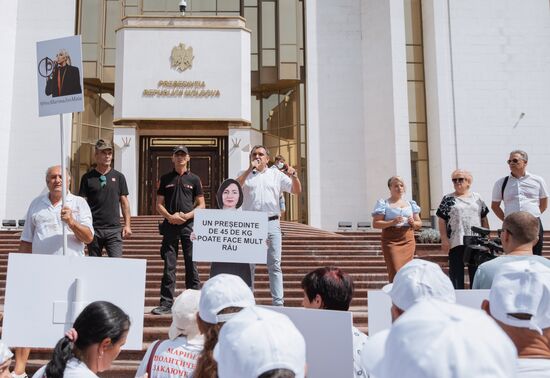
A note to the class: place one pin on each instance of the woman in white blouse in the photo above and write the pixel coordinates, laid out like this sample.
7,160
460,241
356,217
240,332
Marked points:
397,218
458,212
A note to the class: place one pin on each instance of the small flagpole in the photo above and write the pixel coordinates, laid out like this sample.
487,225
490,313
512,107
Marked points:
63,181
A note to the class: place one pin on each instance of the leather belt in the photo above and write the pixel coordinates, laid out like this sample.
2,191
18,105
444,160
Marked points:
272,218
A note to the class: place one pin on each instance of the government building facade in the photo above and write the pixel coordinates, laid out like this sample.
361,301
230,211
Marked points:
350,92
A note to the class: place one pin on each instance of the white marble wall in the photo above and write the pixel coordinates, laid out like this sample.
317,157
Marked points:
126,154
335,116
357,106
488,65
29,144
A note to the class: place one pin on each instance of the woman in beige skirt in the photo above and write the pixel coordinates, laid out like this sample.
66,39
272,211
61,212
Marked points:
397,218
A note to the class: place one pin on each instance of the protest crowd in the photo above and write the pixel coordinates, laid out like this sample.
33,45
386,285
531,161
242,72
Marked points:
218,330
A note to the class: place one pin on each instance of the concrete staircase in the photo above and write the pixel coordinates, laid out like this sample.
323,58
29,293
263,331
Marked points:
304,249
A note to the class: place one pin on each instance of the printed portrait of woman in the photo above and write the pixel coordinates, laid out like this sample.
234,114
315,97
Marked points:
230,197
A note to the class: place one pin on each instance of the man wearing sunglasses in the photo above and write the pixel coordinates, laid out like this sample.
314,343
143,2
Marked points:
106,191
519,233
521,191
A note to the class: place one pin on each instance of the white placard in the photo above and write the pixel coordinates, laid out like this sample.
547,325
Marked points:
230,236
379,304
41,291
329,340
60,77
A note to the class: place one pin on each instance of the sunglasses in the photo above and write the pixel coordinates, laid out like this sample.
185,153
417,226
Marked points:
458,180
501,230
102,181
514,160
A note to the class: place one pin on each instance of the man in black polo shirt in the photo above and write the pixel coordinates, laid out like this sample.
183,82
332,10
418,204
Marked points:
179,194
105,190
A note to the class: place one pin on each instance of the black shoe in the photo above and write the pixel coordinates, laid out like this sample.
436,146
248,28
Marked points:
161,310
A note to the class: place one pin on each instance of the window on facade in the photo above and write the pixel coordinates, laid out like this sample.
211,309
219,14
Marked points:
417,106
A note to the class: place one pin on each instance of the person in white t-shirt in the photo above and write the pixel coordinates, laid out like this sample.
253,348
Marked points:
262,189
519,301
329,288
416,281
177,356
91,346
43,232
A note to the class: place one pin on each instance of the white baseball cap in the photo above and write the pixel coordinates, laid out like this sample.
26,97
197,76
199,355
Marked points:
419,279
5,353
435,339
258,340
223,291
522,289
184,317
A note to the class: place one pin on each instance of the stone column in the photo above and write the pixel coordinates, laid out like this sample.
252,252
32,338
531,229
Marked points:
126,156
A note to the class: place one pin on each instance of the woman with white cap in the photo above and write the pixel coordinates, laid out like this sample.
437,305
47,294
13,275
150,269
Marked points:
222,297
177,356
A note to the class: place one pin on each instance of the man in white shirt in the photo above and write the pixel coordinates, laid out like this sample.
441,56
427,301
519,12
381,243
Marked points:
519,302
43,232
521,191
416,281
262,188
329,288
518,235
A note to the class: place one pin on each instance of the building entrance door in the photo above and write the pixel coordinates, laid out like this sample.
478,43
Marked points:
208,161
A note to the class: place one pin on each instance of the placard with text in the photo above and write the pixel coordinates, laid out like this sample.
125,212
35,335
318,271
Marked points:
230,236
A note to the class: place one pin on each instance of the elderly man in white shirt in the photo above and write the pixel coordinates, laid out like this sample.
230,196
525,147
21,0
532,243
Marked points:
521,191
262,188
43,232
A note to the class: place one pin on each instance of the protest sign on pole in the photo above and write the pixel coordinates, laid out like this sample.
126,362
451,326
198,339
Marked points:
230,236
60,83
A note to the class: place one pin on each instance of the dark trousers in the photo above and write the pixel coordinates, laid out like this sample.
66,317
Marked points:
110,239
456,267
169,253
537,248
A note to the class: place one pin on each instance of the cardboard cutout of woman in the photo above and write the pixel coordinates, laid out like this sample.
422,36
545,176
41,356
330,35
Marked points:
230,197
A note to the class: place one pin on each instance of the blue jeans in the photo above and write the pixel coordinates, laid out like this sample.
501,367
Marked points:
274,262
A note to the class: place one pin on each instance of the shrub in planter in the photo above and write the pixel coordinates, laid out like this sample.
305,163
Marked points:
428,236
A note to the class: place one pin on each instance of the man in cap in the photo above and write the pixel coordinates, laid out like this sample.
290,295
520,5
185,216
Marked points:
329,288
436,339
519,301
416,281
519,233
521,191
106,191
262,188
258,342
177,356
179,194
